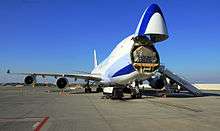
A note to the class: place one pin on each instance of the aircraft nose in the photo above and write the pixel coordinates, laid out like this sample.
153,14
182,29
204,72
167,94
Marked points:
152,24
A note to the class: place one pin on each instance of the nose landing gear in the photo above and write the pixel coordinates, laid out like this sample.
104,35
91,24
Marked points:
136,92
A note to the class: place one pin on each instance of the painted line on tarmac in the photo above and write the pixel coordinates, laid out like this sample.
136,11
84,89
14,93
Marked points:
20,119
40,124
37,126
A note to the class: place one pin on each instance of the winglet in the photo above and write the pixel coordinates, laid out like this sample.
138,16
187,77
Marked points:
95,59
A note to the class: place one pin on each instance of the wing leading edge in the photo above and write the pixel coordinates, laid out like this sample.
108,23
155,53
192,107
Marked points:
85,76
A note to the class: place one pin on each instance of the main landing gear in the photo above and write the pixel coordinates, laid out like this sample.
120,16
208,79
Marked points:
99,89
87,88
117,93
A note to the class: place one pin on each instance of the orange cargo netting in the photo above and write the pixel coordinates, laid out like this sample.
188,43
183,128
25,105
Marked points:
146,67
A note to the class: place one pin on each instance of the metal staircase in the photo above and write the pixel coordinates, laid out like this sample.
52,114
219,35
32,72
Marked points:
180,81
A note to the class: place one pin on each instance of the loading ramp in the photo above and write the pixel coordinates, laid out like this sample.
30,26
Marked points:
180,81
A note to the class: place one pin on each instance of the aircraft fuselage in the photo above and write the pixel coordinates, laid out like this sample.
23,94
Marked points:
133,58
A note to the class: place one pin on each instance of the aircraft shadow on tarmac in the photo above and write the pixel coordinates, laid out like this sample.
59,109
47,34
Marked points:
210,94
84,92
177,95
150,95
188,95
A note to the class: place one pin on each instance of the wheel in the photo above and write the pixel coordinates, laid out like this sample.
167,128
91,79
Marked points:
133,93
139,95
126,90
117,93
133,96
88,90
136,94
99,89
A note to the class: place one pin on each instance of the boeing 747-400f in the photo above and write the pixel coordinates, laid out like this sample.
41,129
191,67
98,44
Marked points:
134,60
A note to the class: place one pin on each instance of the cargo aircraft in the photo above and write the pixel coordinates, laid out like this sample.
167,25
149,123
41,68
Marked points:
134,60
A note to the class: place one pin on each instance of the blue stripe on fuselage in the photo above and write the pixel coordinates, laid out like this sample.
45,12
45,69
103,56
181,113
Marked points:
124,71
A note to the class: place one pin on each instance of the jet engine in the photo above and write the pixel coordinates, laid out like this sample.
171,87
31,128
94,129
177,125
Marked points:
157,82
29,80
62,82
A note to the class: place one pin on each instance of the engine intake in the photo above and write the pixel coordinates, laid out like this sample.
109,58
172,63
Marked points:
29,80
62,82
157,83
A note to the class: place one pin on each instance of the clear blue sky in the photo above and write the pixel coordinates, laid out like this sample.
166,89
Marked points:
60,35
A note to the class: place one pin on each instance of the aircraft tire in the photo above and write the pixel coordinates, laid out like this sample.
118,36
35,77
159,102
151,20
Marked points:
99,89
88,90
117,93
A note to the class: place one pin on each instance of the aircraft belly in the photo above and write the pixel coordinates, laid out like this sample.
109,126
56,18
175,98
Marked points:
129,78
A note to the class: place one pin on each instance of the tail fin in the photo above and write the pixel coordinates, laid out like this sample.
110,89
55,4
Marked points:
95,59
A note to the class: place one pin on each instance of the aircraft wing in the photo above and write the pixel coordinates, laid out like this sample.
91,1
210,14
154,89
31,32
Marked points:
85,76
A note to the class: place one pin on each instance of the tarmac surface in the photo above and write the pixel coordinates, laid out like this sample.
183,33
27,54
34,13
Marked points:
27,108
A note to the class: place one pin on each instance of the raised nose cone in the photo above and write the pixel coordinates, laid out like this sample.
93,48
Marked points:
152,24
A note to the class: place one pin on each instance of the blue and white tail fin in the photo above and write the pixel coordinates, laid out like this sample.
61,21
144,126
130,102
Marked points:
152,24
95,59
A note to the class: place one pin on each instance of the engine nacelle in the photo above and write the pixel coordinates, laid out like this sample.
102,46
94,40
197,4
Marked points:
29,80
62,82
157,82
